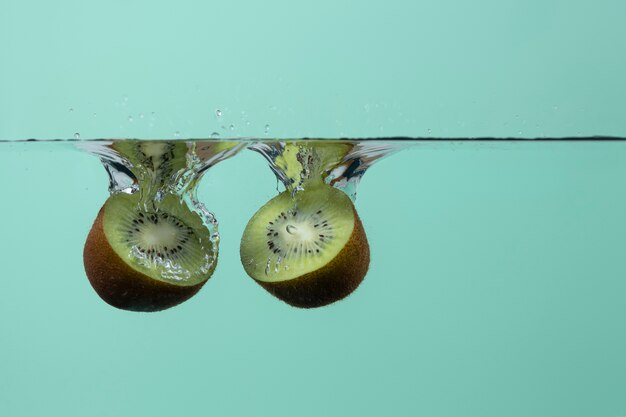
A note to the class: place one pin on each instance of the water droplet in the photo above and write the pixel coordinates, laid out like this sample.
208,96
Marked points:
247,122
71,109
141,115
218,113
267,129
176,134
76,135
95,114
231,127
278,261
215,135
130,119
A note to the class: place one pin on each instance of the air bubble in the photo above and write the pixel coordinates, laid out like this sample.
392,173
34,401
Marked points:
71,109
141,115
130,119
218,113
76,135
231,127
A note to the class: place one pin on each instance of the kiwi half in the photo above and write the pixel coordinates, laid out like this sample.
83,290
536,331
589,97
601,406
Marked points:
143,258
308,249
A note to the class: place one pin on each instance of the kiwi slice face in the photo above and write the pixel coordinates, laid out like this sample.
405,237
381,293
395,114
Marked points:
143,258
308,249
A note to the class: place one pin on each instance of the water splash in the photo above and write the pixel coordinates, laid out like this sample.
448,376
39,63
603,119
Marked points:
164,170
340,163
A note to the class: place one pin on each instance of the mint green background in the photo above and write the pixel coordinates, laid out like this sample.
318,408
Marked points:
497,279
317,68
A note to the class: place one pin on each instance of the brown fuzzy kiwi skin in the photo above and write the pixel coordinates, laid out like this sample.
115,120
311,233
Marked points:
333,282
120,285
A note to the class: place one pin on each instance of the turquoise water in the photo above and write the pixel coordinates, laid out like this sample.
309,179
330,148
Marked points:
495,288
497,280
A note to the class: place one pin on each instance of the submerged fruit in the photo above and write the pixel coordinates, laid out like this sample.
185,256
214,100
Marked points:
148,259
309,249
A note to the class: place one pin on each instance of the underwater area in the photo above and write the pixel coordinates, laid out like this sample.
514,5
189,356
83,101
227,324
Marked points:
483,279
336,208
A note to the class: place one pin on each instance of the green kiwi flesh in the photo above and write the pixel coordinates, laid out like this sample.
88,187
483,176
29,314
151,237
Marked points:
153,155
155,163
304,161
308,250
142,259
